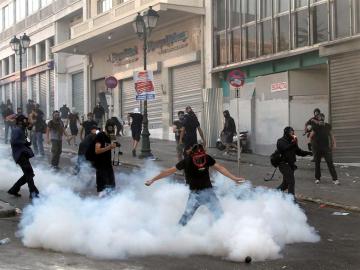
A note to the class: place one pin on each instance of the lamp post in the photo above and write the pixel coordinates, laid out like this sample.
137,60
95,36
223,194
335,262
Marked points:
143,25
19,46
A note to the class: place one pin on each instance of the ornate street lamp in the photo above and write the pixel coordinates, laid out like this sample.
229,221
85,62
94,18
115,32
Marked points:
19,46
143,25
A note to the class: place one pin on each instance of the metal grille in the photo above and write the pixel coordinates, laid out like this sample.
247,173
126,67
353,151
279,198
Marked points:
52,91
78,92
186,88
34,88
345,106
128,101
155,106
43,89
7,91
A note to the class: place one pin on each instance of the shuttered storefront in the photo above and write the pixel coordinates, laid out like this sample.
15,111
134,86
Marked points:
78,92
13,96
43,88
186,87
128,102
155,106
52,91
345,105
7,91
34,88
22,95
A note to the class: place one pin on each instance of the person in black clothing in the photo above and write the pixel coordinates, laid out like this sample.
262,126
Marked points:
177,125
22,152
325,142
309,126
196,167
8,122
87,125
64,112
229,130
39,128
105,178
72,122
30,106
99,113
289,149
136,127
188,135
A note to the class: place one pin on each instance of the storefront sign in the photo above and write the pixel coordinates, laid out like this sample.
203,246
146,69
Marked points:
236,78
144,85
280,86
127,56
170,43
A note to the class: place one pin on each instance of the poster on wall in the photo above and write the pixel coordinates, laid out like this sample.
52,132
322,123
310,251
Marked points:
144,85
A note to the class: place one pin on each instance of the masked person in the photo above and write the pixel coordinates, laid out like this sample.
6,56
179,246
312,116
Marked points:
177,125
22,152
325,142
54,133
308,127
8,122
105,178
136,127
87,125
229,130
289,149
196,166
99,113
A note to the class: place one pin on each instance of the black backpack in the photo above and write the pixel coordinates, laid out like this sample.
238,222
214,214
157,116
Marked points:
276,158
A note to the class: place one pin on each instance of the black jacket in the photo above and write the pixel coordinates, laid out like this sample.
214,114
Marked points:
19,145
229,126
289,150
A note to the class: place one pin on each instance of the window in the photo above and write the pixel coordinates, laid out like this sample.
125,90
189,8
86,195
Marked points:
320,23
14,67
103,6
6,70
302,28
220,15
248,11
221,49
33,6
249,42
342,18
283,33
51,44
357,15
266,39
265,8
45,3
282,5
42,51
8,15
1,20
301,3
20,10
235,46
235,13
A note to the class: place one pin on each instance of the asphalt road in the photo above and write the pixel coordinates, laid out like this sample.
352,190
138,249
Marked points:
338,249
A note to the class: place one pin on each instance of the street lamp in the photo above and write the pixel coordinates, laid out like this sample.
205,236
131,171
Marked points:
19,46
143,25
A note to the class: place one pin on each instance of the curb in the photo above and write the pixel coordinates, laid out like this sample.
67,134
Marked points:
6,210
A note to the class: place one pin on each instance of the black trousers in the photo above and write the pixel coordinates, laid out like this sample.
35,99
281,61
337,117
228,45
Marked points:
105,178
56,150
28,177
288,178
327,155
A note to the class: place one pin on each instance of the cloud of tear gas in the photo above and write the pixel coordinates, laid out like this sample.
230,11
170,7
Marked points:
139,221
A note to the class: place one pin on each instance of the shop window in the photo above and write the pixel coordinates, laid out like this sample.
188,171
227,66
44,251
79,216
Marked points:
220,15
248,11
265,8
282,6
342,18
221,49
266,40
249,42
103,6
302,28
235,45
320,23
301,3
283,33
235,13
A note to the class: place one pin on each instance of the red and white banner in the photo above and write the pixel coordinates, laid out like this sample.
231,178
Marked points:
144,85
280,86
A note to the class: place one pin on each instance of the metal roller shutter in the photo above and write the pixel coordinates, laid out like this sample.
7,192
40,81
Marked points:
34,87
43,86
13,96
52,91
345,106
155,106
23,95
186,87
129,103
78,92
7,92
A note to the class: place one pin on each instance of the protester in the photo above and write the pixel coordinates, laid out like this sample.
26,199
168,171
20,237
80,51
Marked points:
87,125
72,122
8,122
36,118
177,125
22,152
188,135
2,109
119,124
309,126
64,111
136,127
55,132
196,166
105,178
228,131
289,149
325,142
99,113
30,106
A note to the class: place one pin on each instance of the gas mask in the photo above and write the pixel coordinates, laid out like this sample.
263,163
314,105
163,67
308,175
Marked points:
198,156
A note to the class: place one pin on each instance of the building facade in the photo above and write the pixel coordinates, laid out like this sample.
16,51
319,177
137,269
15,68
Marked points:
298,55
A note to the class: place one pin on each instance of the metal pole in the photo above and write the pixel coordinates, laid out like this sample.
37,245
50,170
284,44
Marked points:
20,64
238,129
145,143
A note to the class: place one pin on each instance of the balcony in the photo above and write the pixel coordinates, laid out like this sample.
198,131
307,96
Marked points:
86,35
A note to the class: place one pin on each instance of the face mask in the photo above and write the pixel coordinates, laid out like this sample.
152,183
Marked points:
199,158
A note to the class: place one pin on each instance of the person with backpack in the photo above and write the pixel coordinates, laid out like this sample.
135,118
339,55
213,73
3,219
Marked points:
288,149
325,142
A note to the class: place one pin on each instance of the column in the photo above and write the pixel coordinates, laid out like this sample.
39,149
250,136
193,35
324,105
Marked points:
87,83
37,53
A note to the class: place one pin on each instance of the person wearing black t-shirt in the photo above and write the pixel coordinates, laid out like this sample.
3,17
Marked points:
105,178
325,143
87,125
177,125
196,166
136,127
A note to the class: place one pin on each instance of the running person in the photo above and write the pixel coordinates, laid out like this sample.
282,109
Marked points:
136,127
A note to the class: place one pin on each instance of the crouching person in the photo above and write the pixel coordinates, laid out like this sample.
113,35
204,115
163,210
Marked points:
196,167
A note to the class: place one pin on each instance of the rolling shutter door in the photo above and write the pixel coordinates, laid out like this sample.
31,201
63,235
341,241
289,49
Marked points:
186,86
52,91
345,106
78,92
155,106
34,88
13,96
24,94
43,87
7,91
129,103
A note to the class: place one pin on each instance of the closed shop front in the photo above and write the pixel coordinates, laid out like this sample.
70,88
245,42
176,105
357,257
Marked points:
78,92
52,91
128,101
7,91
13,96
43,90
155,106
34,87
22,95
186,88
99,88
345,105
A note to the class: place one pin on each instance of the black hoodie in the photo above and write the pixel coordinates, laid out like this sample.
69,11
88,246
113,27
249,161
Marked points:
289,149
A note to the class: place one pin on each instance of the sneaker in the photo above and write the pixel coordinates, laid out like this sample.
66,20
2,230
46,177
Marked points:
336,182
134,153
317,181
16,194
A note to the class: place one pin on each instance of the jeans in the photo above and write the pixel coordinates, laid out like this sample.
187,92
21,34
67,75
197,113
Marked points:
28,177
56,149
7,127
196,199
37,142
288,178
80,160
327,154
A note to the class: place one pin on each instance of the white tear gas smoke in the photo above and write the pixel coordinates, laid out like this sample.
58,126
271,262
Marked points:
139,221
